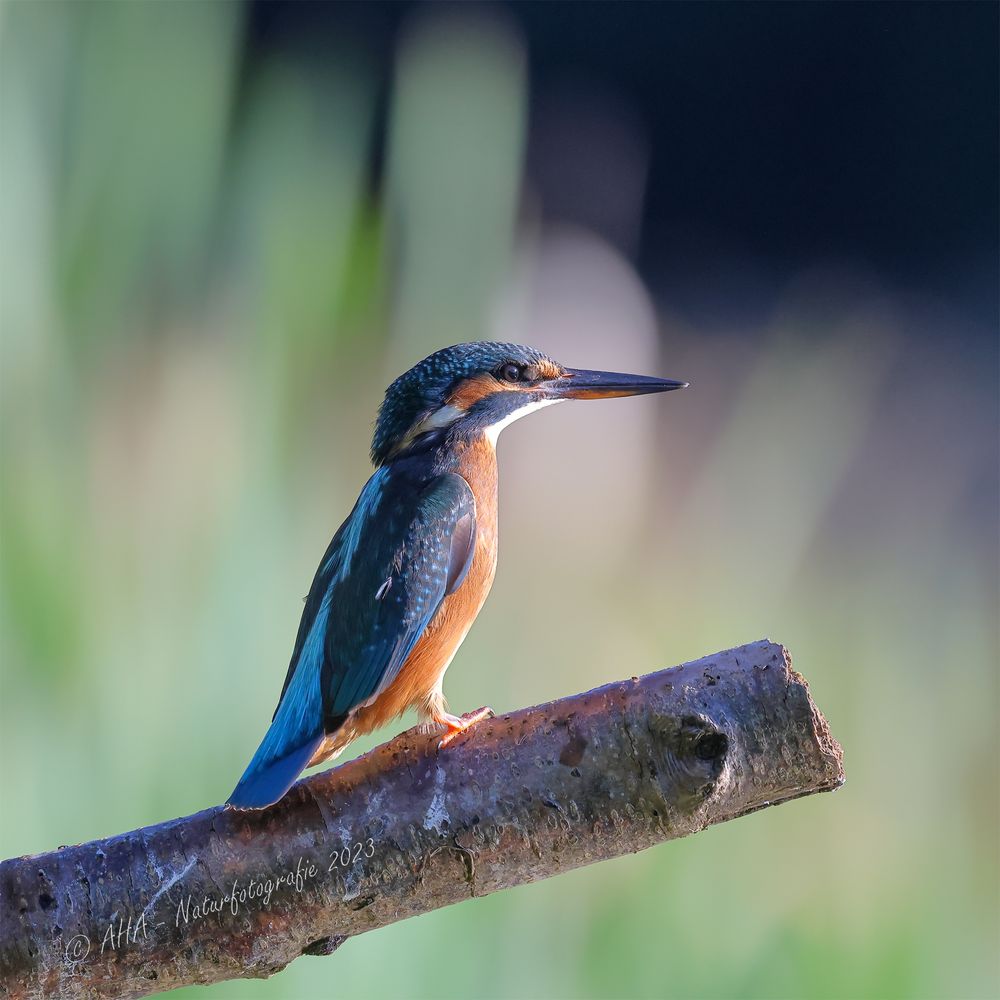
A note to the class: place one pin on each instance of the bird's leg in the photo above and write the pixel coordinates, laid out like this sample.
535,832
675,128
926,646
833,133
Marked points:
459,724
435,711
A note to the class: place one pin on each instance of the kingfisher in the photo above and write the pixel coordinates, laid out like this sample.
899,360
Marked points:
407,573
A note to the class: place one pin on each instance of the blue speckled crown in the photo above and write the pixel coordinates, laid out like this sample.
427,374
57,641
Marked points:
427,384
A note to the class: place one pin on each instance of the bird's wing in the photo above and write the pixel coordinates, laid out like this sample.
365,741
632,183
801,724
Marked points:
398,555
337,561
407,564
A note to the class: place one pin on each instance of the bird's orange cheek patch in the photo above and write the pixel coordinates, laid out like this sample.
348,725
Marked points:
472,390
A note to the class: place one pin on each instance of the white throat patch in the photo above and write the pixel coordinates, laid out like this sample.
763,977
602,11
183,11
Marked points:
493,431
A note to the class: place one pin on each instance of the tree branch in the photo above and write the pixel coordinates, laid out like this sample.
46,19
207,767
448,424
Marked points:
404,829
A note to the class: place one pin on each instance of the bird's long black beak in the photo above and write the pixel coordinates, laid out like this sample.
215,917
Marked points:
577,383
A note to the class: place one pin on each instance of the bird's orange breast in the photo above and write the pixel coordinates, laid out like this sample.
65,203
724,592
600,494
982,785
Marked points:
424,667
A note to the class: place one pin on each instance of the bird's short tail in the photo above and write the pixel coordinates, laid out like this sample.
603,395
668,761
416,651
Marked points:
268,777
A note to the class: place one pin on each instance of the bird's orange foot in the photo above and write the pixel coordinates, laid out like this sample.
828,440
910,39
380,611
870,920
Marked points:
456,725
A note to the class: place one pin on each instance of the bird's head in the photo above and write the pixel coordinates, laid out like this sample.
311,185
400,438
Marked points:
482,387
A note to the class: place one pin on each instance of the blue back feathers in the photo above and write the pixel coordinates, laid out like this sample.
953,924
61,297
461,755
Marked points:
407,544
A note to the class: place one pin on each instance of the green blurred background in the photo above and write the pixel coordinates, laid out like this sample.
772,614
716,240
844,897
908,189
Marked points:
225,228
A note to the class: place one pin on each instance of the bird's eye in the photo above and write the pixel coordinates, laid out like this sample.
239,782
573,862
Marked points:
510,372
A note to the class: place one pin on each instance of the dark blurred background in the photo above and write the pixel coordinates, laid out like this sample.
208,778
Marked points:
764,134
225,228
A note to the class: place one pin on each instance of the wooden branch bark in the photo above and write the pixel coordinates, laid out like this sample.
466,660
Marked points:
405,829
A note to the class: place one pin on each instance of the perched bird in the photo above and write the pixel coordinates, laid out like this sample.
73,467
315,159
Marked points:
406,574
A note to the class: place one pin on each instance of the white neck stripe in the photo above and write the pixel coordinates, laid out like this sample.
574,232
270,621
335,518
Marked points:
493,431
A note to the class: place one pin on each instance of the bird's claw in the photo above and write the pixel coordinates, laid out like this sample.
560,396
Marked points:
457,725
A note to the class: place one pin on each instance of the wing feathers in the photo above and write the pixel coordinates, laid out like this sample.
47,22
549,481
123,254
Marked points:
427,557
463,547
406,545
